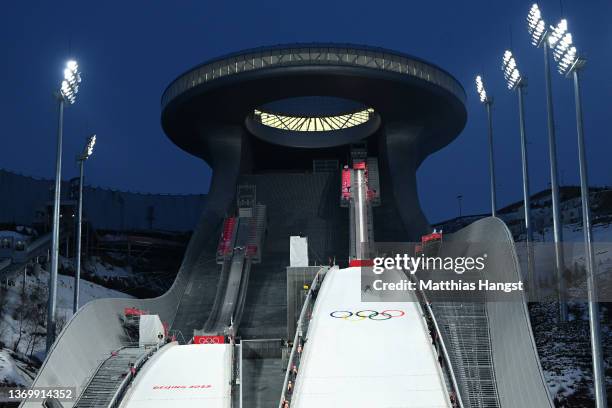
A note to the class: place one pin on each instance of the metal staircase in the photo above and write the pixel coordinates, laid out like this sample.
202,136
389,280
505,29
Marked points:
112,372
464,328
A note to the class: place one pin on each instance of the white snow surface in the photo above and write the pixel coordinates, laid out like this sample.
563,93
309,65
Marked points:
193,375
357,361
14,299
10,374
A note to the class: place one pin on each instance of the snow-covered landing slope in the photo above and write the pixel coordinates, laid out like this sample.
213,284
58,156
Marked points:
363,361
195,375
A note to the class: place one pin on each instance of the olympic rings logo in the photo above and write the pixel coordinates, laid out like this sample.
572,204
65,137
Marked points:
208,340
367,314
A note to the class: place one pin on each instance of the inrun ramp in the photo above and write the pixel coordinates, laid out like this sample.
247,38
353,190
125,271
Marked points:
367,354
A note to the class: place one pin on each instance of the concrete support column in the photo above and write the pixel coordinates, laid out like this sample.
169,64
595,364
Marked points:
399,146
222,147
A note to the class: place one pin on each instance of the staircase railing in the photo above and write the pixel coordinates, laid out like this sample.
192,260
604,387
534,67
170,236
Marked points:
92,376
449,366
302,328
123,386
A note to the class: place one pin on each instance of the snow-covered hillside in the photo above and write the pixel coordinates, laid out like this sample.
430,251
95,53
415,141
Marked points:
16,370
564,348
23,309
98,267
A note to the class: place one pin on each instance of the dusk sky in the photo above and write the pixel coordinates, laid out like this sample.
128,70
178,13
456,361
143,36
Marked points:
130,51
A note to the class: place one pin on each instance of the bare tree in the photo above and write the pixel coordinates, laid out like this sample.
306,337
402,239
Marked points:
22,314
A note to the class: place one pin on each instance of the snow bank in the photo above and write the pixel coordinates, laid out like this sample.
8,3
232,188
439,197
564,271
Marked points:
9,372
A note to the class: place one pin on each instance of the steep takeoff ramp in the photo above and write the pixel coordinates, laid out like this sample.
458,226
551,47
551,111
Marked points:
184,376
367,354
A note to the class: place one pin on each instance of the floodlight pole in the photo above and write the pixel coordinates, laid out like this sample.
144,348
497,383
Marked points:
52,301
526,194
488,103
589,257
77,275
554,186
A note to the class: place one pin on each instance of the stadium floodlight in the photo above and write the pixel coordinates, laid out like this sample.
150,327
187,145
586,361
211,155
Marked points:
87,152
66,94
536,25
540,37
565,53
482,92
569,63
557,32
511,73
516,82
488,101
70,84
